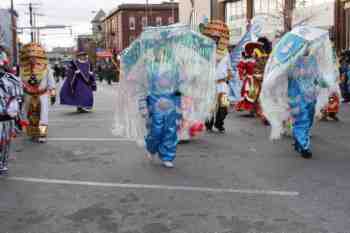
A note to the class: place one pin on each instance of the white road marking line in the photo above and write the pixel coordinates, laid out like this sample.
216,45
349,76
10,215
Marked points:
79,120
155,187
68,110
90,139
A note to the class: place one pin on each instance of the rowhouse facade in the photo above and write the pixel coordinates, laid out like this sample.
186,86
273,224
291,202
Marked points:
125,24
342,26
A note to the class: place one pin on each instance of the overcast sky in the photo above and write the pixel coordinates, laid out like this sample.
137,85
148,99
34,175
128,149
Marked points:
75,13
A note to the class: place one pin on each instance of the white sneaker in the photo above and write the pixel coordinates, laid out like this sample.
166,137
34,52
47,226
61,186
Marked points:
42,140
4,171
168,164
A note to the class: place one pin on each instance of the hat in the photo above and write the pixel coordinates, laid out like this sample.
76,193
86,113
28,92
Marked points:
251,46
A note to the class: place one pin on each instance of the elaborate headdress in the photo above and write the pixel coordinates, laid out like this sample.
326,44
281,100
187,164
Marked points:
33,68
218,31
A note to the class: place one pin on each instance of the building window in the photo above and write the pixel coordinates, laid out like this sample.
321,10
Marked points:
144,21
171,20
132,23
159,21
236,19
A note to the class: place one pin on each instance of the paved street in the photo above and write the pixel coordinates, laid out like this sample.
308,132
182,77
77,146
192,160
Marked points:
86,180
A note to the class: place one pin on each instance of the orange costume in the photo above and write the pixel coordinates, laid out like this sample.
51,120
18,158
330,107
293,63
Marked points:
332,109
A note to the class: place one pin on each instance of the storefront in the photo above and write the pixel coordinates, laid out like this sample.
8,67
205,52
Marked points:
342,29
239,12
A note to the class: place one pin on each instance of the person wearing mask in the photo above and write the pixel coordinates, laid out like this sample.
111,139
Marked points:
39,88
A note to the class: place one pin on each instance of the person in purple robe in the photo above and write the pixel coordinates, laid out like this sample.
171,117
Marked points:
79,85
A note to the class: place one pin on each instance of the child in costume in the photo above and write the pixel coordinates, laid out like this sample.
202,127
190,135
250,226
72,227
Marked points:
11,92
79,85
39,88
332,109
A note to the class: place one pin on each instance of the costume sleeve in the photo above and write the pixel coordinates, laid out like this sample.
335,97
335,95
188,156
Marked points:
70,71
241,69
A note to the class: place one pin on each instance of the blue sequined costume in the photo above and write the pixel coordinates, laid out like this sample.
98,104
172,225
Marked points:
302,83
163,102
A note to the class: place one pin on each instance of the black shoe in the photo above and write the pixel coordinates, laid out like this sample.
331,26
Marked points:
306,154
335,118
220,129
266,122
82,110
210,130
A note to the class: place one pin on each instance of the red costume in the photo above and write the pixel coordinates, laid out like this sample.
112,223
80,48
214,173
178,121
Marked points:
332,109
251,82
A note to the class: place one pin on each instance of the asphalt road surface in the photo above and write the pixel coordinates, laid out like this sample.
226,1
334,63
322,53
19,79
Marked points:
85,180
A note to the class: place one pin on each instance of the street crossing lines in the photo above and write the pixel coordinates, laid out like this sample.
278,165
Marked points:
156,187
79,121
90,139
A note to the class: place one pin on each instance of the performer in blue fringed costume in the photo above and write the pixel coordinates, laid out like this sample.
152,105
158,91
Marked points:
160,107
302,100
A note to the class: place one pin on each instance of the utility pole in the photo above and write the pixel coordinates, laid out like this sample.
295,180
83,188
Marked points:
147,13
14,34
31,7
289,6
31,21
173,10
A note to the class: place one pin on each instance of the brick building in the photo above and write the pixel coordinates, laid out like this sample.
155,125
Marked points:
342,24
123,25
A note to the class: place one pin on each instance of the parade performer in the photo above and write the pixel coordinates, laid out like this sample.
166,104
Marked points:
11,92
80,83
251,87
255,30
166,88
220,33
261,56
39,88
299,78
